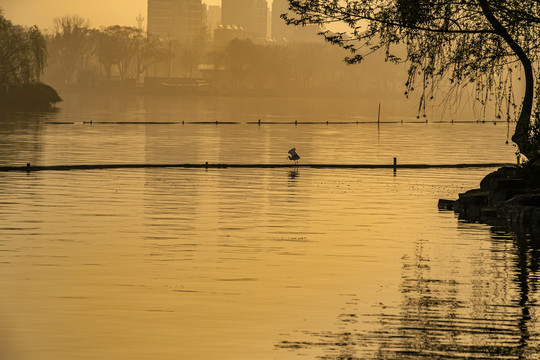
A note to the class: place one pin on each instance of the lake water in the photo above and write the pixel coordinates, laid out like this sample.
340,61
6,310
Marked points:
253,263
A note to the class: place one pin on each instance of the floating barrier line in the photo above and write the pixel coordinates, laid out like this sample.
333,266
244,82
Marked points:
30,168
267,122
142,122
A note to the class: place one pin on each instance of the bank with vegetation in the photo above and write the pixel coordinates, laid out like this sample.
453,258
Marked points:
22,62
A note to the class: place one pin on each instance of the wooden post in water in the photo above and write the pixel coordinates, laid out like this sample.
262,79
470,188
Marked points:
379,115
395,164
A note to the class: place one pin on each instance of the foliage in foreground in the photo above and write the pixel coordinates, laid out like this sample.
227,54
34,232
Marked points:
448,45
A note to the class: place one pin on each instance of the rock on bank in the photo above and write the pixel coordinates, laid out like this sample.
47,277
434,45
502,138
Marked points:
510,195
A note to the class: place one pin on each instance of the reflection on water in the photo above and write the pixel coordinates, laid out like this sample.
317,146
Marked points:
140,131
293,173
237,264
251,263
487,313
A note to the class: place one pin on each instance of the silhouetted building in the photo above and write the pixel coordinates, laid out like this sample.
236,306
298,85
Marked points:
281,32
251,15
179,20
224,34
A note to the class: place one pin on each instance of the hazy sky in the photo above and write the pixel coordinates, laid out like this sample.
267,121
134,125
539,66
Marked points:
99,12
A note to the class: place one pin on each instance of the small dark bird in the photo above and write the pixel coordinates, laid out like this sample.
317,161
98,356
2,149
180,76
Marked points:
293,155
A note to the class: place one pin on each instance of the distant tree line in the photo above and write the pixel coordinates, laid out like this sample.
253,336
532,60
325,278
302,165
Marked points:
23,57
80,55
300,68
83,56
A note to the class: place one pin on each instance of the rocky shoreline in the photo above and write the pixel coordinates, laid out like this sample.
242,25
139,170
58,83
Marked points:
509,196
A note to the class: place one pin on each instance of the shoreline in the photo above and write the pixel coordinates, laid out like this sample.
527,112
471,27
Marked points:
508,197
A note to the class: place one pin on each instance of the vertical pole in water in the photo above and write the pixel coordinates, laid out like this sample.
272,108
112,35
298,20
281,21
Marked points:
169,60
379,115
395,164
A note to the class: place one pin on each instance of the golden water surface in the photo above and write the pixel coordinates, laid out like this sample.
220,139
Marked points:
253,263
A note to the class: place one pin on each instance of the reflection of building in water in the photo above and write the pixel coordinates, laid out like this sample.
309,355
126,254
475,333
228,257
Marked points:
251,15
288,33
180,26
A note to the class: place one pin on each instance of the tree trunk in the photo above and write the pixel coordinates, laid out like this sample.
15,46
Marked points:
522,133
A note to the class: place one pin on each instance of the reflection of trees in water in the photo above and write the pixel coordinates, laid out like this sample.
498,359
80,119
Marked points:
483,313
19,148
527,266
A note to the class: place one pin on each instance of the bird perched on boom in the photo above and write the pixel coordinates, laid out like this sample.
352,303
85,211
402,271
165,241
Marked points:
294,156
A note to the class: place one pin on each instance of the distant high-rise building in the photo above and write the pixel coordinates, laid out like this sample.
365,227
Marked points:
250,15
181,26
213,18
179,20
282,32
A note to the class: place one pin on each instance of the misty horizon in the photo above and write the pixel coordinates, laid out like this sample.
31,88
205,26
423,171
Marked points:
100,13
